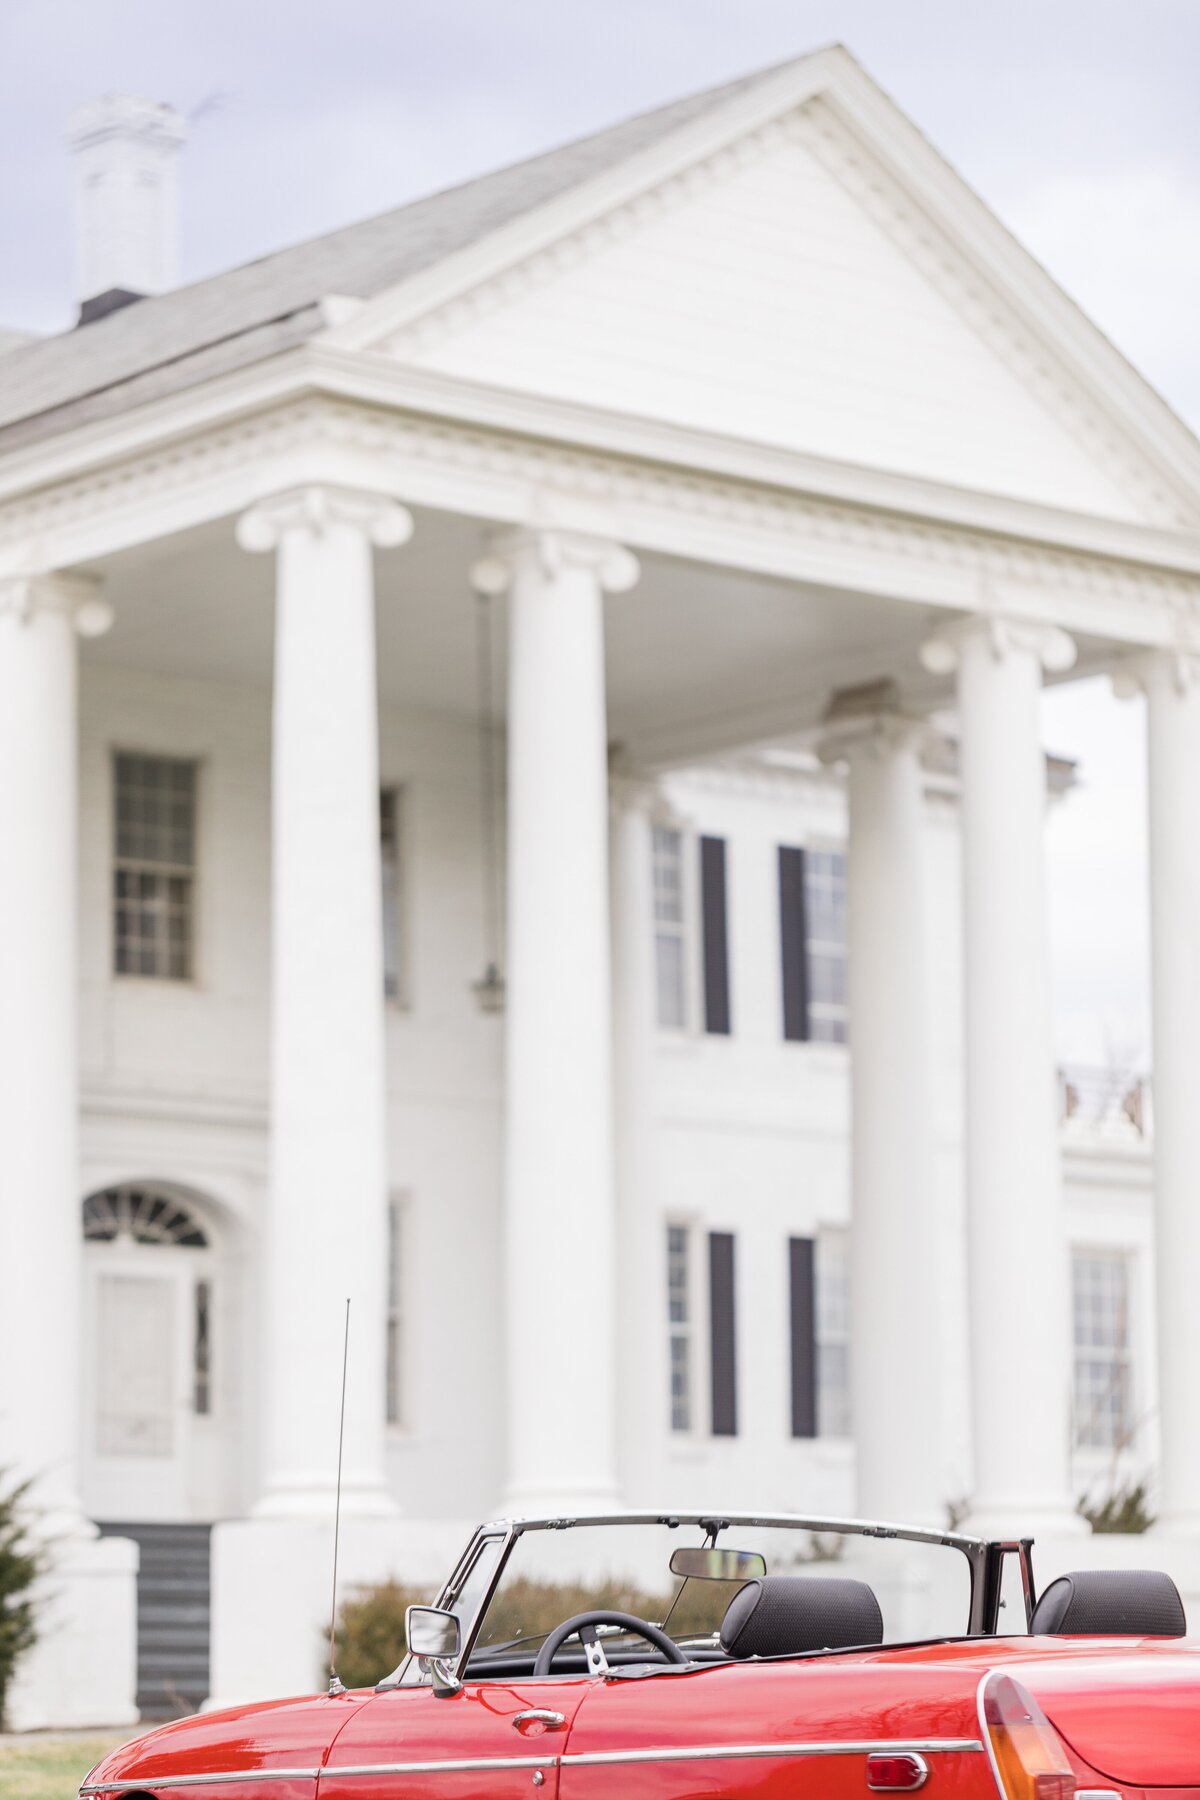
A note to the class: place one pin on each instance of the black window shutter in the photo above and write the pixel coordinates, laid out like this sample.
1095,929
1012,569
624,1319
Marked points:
802,1280
716,935
723,1334
793,935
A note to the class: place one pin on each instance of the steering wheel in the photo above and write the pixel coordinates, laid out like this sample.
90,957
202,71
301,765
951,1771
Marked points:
585,1624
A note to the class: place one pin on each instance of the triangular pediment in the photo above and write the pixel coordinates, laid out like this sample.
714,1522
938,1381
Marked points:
812,279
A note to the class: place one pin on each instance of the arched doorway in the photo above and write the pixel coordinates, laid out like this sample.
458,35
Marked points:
152,1435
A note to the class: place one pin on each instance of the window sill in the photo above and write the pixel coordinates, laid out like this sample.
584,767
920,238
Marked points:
171,984
692,1448
833,1450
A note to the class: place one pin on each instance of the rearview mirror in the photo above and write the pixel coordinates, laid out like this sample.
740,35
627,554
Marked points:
435,1639
718,1565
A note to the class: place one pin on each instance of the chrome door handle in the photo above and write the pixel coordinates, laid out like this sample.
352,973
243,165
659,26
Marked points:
539,1715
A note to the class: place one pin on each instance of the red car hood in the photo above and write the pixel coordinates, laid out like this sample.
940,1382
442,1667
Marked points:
281,1735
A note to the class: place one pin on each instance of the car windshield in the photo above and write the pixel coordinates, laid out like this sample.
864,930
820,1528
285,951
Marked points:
552,1574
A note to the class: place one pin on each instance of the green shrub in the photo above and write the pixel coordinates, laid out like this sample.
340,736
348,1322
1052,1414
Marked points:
370,1632
1125,1509
20,1565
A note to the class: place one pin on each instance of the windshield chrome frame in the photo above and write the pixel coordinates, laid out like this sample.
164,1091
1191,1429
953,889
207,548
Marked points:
985,1559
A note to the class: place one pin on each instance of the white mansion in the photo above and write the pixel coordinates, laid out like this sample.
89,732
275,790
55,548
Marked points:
521,804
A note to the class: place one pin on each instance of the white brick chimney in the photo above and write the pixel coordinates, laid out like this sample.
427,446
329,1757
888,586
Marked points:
126,200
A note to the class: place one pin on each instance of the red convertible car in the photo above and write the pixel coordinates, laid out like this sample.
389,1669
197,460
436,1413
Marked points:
683,1657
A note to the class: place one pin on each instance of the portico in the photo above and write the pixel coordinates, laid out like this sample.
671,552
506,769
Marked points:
290,550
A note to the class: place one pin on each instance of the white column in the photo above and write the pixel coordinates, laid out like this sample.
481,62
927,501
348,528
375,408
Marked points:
894,1287
41,1248
326,1227
81,1672
1171,682
641,1361
1017,1275
559,1226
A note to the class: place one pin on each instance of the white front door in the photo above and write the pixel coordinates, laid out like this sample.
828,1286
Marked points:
136,1355
148,1394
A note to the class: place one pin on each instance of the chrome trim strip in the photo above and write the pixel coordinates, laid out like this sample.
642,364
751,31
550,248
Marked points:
825,1747
985,1734
451,1766
142,1783
472,1764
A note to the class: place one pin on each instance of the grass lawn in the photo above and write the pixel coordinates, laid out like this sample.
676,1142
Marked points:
49,1768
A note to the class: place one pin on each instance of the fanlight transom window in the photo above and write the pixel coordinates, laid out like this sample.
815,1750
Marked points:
145,1215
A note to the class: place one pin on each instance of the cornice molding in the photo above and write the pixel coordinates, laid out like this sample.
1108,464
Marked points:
371,380
507,478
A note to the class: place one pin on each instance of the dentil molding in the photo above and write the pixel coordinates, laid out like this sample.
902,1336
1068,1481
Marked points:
141,491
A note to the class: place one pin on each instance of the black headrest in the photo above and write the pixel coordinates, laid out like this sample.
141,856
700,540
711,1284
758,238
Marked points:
1110,1603
785,1615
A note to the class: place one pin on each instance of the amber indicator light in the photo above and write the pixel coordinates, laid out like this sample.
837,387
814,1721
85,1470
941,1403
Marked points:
1027,1751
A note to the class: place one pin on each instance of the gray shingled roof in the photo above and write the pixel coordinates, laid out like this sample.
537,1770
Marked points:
246,314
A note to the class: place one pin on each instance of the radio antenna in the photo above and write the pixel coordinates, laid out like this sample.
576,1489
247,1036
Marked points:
335,1686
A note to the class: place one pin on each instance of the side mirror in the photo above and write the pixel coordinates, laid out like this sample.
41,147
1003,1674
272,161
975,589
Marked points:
718,1565
435,1639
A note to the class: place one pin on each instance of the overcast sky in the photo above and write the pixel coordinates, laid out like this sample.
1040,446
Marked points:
1076,119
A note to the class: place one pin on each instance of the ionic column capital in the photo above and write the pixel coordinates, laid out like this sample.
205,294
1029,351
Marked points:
868,721
316,506
1173,671
630,792
78,597
941,654
550,551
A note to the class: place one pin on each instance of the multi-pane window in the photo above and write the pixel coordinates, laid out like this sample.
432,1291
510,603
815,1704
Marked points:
670,950
1103,1376
825,946
680,1325
391,872
154,871
832,1310
395,1315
